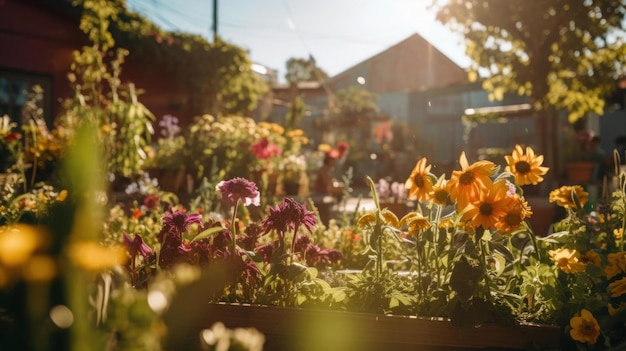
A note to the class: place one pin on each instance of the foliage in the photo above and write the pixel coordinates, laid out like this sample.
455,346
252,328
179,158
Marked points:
304,70
100,99
580,268
569,59
204,71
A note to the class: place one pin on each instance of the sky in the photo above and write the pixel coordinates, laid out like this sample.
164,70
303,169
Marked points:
337,33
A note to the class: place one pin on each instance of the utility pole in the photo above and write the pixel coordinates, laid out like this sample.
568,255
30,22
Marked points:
215,105
214,21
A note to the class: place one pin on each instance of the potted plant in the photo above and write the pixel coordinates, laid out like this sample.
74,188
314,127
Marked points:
292,174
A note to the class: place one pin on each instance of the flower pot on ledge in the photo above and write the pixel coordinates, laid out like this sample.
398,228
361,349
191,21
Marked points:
308,329
580,172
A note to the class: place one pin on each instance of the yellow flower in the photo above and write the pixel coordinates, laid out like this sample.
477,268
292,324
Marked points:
618,233
17,244
519,210
585,328
567,260
369,219
467,184
416,222
489,206
440,194
569,196
616,264
526,168
419,183
618,287
91,256
62,195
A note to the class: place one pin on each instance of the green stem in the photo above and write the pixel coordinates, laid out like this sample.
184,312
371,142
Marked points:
483,253
233,229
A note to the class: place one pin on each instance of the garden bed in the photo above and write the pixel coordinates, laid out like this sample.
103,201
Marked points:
307,329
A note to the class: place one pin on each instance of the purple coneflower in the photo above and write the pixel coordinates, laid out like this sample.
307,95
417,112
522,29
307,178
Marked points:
289,215
136,246
237,189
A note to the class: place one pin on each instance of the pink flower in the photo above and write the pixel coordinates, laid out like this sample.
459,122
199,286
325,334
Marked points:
240,189
136,246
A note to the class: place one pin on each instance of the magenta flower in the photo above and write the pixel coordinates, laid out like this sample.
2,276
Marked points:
136,246
289,216
240,189
177,223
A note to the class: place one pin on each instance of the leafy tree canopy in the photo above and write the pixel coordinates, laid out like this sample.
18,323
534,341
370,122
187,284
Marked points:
304,70
565,54
203,70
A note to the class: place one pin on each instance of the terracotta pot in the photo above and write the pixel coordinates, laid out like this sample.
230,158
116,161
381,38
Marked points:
308,329
580,172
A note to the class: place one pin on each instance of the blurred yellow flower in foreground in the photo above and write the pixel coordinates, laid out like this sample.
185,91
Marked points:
17,243
91,256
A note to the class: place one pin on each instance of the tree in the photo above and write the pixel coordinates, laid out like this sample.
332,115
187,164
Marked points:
304,70
204,70
564,54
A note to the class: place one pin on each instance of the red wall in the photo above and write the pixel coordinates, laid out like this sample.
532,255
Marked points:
36,37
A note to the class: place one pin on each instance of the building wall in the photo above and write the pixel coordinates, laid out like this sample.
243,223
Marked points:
39,37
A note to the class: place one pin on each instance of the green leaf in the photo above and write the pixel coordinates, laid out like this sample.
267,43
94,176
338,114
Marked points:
207,233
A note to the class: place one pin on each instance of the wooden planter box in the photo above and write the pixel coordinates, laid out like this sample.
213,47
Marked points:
305,329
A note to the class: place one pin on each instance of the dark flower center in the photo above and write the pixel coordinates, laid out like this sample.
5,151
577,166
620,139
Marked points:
522,167
486,209
418,180
466,178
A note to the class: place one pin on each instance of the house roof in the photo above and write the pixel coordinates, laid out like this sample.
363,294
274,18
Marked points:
419,51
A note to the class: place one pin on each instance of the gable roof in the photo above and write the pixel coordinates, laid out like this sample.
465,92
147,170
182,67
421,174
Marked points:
412,64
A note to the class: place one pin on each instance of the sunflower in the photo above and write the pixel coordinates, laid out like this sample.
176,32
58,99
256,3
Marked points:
569,196
420,183
416,222
517,213
440,194
526,167
489,207
585,328
467,184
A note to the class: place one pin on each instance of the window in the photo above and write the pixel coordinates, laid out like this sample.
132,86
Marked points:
15,86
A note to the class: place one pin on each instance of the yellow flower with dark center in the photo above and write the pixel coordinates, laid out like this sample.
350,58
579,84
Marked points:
440,194
526,167
416,222
618,287
419,183
569,196
616,264
466,185
519,210
585,328
489,207
369,219
567,260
